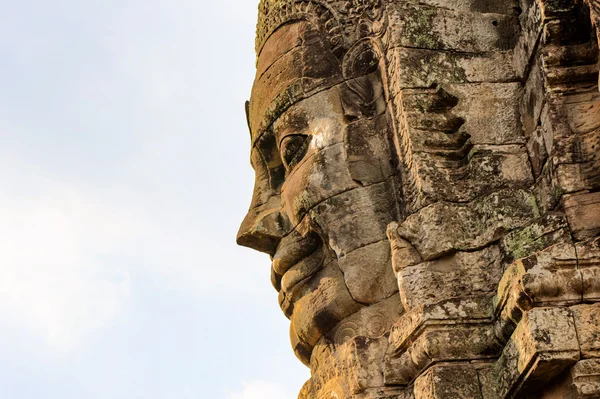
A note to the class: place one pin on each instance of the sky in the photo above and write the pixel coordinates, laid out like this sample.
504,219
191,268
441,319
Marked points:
124,174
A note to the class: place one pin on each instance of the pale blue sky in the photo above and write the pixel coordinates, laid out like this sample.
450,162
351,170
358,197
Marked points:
124,174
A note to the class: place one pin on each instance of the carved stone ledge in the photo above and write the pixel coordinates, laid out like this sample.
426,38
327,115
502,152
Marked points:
455,329
542,346
436,345
470,310
546,278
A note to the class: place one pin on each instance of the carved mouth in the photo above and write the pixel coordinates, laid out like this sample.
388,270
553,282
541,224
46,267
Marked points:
296,260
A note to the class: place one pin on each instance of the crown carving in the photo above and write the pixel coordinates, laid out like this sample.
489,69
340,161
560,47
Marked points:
342,22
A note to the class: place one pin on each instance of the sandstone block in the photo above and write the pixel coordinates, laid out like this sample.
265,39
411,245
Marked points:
375,259
422,26
480,6
490,111
355,218
587,324
551,229
444,314
461,175
583,214
450,277
435,345
444,228
543,345
373,322
531,23
423,68
457,381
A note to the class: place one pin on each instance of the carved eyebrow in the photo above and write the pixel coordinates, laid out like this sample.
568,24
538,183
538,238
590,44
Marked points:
296,122
297,91
267,147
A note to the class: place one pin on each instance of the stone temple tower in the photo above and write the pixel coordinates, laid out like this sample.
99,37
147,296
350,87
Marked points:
428,189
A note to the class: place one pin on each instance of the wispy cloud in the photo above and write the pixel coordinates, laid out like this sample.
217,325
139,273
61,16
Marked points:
68,258
261,390
53,278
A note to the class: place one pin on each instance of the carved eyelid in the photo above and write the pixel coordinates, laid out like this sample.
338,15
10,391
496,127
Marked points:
291,157
290,135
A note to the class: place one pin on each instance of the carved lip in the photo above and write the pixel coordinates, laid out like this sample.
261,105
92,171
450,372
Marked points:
297,259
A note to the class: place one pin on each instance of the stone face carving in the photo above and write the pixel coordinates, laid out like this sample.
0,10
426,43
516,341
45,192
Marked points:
427,177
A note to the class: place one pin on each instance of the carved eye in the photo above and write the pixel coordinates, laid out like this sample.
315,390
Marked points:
293,148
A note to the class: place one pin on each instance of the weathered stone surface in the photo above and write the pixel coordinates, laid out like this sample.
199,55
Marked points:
459,381
537,150
423,67
317,305
346,360
543,345
444,228
479,6
403,253
441,345
546,278
471,310
490,112
373,321
427,180
551,229
583,214
353,366
462,175
355,218
416,25
587,324
375,259
450,277
530,20
533,99
588,255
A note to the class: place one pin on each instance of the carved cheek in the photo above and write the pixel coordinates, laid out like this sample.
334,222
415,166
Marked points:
324,132
322,175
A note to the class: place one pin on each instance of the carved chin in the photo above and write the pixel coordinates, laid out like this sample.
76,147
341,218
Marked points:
325,303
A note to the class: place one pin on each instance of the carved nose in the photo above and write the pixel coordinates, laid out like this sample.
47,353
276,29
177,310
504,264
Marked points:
262,229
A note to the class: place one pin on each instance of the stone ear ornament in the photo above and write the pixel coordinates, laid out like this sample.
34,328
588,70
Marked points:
361,59
247,109
362,88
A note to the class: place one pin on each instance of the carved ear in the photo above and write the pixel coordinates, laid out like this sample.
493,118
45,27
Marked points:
247,108
362,59
362,91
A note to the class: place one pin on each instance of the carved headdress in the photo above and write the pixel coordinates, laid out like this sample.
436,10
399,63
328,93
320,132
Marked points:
344,25
342,22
